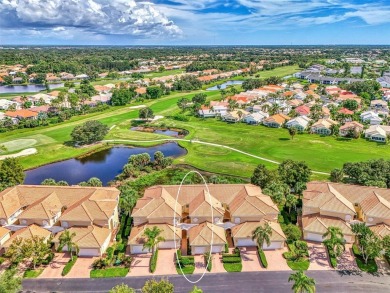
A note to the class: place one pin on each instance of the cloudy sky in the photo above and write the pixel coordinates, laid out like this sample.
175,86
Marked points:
194,22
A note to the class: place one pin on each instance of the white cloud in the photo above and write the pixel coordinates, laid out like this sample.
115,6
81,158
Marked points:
122,17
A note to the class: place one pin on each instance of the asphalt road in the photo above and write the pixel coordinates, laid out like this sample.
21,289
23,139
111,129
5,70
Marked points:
248,282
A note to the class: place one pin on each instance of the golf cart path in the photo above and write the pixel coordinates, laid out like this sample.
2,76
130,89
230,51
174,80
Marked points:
204,143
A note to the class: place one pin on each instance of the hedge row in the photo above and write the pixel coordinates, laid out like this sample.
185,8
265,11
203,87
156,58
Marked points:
209,264
69,266
332,258
262,257
153,262
231,259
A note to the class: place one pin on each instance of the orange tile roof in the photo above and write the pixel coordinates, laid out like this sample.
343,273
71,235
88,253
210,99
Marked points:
23,113
345,111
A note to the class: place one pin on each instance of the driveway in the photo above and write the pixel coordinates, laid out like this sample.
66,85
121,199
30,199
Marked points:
166,262
318,257
346,261
276,261
217,264
200,266
82,268
54,269
383,266
140,264
250,259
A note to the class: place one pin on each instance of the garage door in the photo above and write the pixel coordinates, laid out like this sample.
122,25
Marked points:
136,249
274,245
89,252
199,250
217,249
245,242
314,237
167,244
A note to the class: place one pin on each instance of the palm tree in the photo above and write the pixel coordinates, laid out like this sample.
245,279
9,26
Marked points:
261,235
302,283
291,201
240,114
127,200
153,238
66,239
335,242
292,131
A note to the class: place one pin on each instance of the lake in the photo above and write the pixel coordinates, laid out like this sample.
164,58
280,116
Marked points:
225,85
104,165
30,88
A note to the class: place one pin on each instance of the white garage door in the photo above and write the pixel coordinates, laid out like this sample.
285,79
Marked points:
136,249
167,244
199,250
245,242
314,237
274,245
216,249
89,252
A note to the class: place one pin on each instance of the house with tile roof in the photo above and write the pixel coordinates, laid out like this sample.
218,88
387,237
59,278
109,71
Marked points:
276,121
27,233
323,126
302,110
300,123
37,208
5,234
199,210
340,205
234,116
378,133
350,126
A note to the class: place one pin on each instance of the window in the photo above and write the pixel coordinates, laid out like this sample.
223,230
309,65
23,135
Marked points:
237,220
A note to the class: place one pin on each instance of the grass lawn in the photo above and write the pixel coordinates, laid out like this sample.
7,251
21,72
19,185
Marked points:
299,265
32,274
370,267
109,273
164,73
187,270
232,267
280,71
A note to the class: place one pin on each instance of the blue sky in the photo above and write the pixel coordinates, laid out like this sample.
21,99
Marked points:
194,22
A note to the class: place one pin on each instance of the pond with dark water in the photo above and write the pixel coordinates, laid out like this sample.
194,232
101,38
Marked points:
105,165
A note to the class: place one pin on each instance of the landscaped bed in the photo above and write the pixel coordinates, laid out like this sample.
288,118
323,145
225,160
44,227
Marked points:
69,265
298,257
332,258
186,263
31,274
370,267
109,273
232,263
263,259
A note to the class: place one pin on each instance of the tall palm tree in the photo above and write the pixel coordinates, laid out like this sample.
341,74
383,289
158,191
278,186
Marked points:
66,239
153,238
335,240
261,235
302,283
127,200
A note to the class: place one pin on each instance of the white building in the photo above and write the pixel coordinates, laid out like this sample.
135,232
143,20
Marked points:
300,123
377,133
255,118
371,117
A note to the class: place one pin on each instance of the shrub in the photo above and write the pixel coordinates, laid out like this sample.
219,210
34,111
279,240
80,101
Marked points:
262,257
126,261
231,259
226,248
48,259
181,117
100,263
153,262
356,250
209,264
332,258
110,252
69,266
293,232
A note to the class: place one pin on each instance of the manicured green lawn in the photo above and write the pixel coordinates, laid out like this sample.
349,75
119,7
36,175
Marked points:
370,267
31,274
187,270
165,73
299,265
109,273
232,267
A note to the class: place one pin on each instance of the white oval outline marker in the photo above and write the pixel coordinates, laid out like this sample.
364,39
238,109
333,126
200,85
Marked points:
212,232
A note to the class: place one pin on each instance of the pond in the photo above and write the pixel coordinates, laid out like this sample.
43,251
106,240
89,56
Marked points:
224,85
30,88
104,165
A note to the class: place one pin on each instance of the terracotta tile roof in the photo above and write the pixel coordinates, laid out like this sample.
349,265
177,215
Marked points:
168,231
3,232
87,237
246,229
346,111
141,90
245,205
324,123
375,206
381,230
201,235
278,118
202,204
45,208
303,110
352,125
319,224
27,233
23,113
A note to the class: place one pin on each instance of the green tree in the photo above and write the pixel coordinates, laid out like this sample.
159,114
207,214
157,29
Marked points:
154,286
262,235
67,240
182,103
158,158
369,244
127,200
261,176
36,249
302,283
49,181
154,92
295,174
277,191
15,251
292,232
351,105
95,182
337,175
146,113
122,288
335,241
292,131
11,172
153,238
9,283
199,98
291,202
195,289
89,132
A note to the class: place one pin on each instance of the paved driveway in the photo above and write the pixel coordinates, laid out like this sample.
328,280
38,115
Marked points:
54,269
166,262
276,261
82,268
383,266
200,266
217,264
346,261
318,257
140,264
250,260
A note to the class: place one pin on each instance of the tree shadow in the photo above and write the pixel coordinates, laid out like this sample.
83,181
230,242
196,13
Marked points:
284,138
